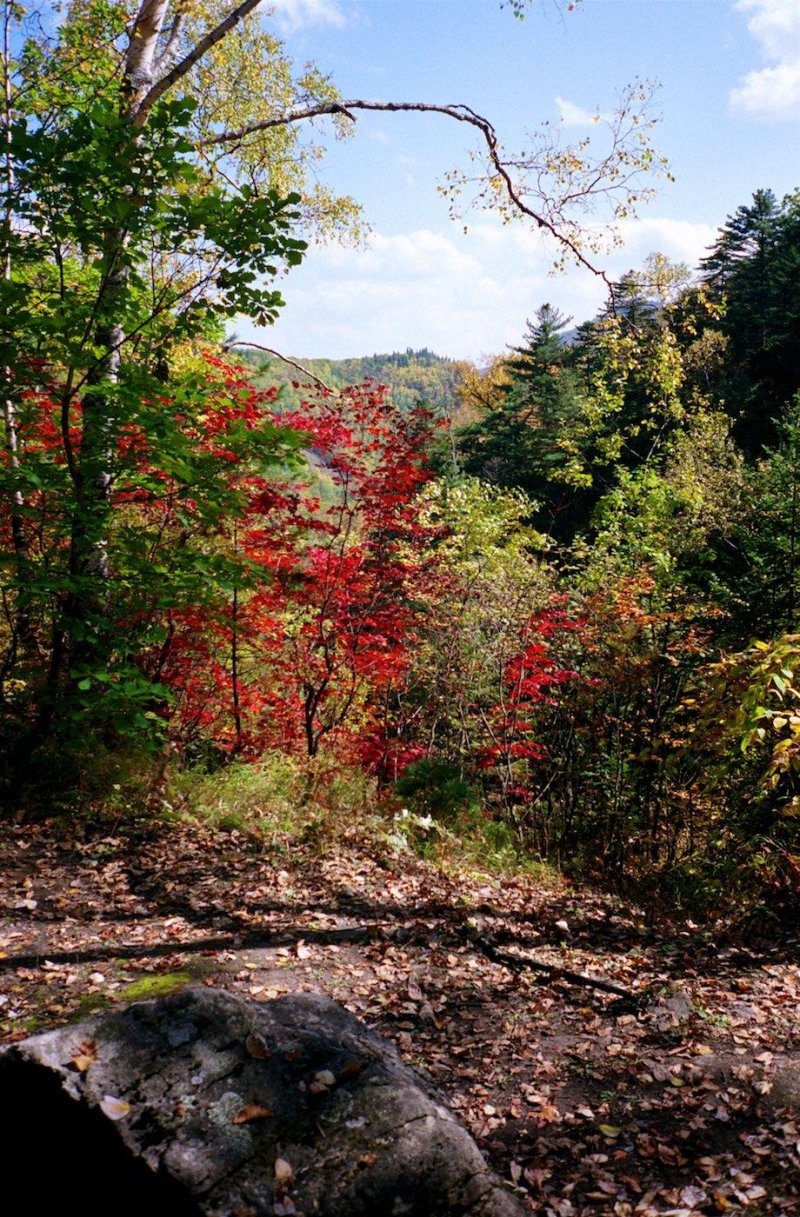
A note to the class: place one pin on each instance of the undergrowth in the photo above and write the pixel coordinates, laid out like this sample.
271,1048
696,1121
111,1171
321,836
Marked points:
283,802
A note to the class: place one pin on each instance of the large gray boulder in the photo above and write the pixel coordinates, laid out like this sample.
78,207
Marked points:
203,1103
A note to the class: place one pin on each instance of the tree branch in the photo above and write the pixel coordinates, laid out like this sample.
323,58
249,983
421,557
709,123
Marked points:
519,963
284,359
167,56
460,113
187,63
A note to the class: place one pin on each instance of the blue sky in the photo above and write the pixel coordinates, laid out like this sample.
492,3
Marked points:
729,101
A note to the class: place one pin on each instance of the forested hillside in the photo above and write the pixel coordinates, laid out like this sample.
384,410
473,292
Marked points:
411,377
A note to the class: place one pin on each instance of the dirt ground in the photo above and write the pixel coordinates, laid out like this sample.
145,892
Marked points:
604,1066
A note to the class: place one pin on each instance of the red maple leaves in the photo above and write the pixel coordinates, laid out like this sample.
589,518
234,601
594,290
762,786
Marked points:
529,677
318,615
270,573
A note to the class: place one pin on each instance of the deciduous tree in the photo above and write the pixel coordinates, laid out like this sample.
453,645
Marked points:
150,161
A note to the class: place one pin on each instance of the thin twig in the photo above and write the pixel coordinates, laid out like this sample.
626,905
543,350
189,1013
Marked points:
520,963
257,346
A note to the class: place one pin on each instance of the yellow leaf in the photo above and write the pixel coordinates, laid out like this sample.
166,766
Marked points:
609,1130
84,1055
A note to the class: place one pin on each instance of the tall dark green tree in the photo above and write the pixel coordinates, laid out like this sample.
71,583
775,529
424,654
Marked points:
766,591
752,270
744,238
517,444
631,379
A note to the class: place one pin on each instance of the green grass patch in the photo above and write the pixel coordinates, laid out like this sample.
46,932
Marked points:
90,1003
280,798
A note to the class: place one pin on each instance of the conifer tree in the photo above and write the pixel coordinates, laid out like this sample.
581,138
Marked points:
752,271
518,442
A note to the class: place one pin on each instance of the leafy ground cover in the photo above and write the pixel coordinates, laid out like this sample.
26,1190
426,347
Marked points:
666,1081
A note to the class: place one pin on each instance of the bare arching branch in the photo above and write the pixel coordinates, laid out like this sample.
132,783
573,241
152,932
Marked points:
460,113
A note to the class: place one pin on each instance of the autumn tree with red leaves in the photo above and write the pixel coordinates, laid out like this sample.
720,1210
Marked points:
528,680
265,565
324,615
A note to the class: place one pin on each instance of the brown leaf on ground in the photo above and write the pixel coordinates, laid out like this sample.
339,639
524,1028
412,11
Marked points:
592,1106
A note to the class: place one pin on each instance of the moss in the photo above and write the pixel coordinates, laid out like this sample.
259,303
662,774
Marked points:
32,1024
148,987
89,1004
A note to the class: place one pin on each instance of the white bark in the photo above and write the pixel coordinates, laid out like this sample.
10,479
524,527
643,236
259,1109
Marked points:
141,56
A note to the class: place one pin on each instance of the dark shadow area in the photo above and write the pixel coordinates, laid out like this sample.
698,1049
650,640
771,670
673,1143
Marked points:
61,1156
432,922
234,941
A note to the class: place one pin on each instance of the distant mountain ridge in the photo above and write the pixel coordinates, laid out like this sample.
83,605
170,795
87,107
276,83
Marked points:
412,376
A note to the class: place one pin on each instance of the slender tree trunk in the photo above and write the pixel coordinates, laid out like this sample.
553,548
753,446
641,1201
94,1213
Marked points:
793,534
87,603
235,693
89,544
19,537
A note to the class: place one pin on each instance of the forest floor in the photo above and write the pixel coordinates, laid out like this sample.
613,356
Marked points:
678,1095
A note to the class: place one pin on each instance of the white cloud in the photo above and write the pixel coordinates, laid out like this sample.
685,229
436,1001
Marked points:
680,240
402,257
575,116
463,295
772,92
775,24
294,15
